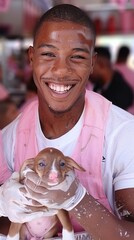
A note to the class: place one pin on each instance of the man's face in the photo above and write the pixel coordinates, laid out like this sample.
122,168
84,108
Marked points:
62,60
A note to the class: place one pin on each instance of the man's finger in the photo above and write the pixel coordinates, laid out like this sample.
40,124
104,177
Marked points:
34,186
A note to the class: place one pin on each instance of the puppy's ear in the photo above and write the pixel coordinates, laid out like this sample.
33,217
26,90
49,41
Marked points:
27,163
73,164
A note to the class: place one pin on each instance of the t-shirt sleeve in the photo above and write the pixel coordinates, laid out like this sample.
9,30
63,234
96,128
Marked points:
120,151
124,168
5,172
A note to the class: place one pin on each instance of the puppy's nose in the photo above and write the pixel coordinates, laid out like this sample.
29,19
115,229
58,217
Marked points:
53,175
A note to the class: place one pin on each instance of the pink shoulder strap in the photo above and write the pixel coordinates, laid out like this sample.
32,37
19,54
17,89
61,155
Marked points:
89,149
26,143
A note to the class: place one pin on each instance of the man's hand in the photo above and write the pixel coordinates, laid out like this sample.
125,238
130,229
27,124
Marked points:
16,206
65,195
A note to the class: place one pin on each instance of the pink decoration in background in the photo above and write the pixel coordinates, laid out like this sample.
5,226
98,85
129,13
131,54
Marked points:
126,21
111,25
122,2
4,5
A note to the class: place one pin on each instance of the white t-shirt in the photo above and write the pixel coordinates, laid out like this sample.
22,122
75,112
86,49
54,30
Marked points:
118,151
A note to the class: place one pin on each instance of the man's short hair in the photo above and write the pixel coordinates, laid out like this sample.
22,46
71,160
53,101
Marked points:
66,12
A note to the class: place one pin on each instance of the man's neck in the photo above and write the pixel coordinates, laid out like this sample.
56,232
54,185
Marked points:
55,124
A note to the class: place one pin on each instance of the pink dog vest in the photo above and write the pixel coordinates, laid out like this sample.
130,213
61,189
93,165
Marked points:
88,151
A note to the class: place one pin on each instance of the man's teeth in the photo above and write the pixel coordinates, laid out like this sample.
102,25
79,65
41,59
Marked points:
59,88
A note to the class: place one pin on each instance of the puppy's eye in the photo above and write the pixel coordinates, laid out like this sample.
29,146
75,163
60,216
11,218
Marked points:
62,163
42,163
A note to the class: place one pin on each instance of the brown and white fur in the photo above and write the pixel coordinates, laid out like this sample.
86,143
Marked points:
53,166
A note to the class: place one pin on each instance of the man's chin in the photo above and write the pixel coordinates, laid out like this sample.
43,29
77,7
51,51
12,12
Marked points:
59,111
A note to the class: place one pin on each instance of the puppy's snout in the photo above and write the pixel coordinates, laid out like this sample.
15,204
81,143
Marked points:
53,175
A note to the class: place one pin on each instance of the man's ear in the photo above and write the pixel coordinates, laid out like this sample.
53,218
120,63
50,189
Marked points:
30,55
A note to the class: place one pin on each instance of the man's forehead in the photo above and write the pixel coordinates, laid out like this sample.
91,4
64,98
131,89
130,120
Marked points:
69,32
64,27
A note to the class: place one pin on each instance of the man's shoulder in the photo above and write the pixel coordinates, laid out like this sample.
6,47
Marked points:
27,116
30,106
96,97
119,120
12,124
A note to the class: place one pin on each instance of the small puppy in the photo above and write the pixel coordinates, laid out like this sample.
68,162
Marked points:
53,166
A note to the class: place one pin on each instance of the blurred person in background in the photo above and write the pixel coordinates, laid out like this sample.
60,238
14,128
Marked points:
31,90
109,82
8,109
30,95
121,65
8,112
25,67
19,70
4,94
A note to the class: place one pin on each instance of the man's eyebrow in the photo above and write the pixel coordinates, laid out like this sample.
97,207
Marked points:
46,45
78,49
81,50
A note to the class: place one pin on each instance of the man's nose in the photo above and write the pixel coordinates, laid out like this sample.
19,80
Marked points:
62,67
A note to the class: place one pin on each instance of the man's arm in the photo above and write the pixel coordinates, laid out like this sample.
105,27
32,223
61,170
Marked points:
100,223
124,200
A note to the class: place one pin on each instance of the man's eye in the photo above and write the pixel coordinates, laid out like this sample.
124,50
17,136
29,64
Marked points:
48,54
78,57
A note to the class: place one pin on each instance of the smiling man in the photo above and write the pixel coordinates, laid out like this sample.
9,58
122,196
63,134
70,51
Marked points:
61,66
80,123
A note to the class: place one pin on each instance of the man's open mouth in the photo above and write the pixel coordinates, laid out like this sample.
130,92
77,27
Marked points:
59,88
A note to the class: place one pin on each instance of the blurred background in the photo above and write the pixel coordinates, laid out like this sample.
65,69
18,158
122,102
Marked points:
113,19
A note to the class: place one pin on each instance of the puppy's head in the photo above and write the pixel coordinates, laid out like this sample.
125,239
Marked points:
53,166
